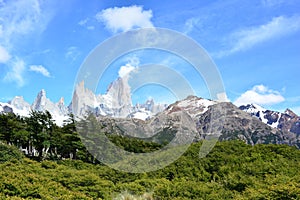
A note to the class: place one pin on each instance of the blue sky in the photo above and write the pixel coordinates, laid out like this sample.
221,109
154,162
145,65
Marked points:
255,45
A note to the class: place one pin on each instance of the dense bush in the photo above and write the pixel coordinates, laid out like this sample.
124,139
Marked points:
232,170
8,153
66,170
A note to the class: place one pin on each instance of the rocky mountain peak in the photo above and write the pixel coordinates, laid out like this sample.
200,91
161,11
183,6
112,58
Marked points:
193,105
61,101
19,103
40,101
287,121
120,92
290,113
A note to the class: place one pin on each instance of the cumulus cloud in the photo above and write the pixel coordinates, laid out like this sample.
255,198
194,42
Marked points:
4,55
40,69
16,73
261,95
125,70
130,66
249,37
125,18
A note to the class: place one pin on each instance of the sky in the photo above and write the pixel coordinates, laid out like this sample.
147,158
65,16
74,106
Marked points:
254,44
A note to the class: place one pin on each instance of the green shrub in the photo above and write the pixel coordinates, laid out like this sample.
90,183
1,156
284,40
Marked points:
48,164
9,153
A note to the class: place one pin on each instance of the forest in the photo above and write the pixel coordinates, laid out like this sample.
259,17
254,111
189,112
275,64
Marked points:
40,160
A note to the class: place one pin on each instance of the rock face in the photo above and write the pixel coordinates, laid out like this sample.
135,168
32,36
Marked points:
195,116
58,110
120,94
19,103
241,125
42,103
287,121
83,100
205,119
115,103
20,107
193,105
230,122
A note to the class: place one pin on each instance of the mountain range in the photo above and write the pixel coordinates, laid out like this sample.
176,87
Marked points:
115,111
116,102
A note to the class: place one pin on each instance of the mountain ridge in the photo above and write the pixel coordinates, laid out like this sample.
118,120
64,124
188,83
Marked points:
115,110
251,123
286,121
90,102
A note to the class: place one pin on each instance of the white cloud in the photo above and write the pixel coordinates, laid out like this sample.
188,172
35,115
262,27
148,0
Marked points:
19,21
190,24
72,53
83,22
249,37
20,18
125,18
261,95
4,55
40,69
131,65
16,73
125,70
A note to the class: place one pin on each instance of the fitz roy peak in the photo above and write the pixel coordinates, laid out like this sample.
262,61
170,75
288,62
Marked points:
115,103
250,123
114,109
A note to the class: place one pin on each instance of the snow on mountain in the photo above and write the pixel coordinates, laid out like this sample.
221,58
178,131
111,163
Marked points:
257,111
5,108
193,105
42,103
58,110
115,103
20,107
17,105
147,110
141,114
287,121
83,100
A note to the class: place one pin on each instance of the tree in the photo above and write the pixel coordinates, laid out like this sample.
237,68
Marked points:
40,126
6,127
70,139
